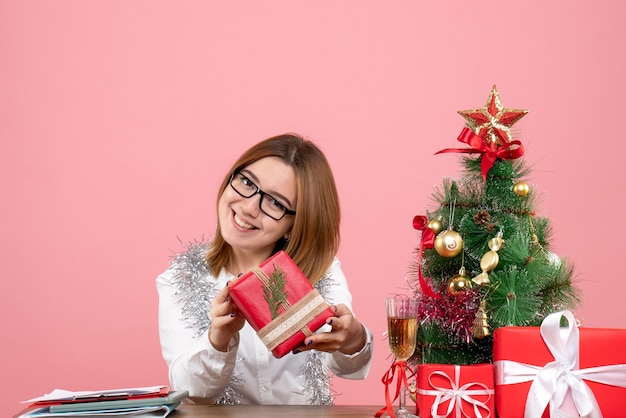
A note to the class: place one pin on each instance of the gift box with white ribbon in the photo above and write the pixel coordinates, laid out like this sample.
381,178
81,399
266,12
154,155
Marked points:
554,371
448,390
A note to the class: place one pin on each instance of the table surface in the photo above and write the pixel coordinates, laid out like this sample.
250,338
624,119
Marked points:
275,411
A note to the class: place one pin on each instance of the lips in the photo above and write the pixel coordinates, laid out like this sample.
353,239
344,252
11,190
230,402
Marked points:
241,223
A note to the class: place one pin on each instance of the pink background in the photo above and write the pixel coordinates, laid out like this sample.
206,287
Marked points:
118,120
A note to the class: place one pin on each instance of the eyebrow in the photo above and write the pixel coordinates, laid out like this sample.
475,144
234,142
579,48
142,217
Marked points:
273,194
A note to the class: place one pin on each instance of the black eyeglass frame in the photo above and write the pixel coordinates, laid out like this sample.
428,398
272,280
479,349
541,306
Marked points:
260,192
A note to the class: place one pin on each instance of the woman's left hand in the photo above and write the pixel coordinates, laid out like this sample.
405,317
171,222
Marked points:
347,334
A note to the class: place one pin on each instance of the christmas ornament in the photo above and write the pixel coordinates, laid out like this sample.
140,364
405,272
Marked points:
449,243
459,283
489,133
521,188
490,260
493,121
435,225
534,240
480,327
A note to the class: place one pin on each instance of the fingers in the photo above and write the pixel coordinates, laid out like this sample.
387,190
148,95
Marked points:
221,305
224,320
343,317
222,301
347,334
336,338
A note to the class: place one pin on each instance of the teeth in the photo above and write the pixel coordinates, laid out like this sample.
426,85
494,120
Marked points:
242,224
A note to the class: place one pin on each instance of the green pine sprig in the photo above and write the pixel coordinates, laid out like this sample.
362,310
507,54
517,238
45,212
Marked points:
275,294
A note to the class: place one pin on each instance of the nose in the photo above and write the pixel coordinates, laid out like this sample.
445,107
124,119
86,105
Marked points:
252,204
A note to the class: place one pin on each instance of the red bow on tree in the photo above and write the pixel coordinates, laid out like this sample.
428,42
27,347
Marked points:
490,152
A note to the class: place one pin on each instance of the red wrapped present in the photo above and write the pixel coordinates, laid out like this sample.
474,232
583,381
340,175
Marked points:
556,371
448,390
280,304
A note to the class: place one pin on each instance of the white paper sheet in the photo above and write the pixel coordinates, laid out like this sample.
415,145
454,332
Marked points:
62,394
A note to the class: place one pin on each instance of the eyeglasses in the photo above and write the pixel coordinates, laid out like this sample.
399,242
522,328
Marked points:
268,204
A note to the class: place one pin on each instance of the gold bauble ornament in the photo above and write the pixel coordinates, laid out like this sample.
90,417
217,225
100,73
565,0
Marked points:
521,188
449,243
459,283
435,225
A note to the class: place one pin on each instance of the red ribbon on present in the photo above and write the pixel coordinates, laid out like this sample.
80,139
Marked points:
490,153
420,223
400,367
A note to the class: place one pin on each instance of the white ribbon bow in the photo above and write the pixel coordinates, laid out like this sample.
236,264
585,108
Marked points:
553,382
456,395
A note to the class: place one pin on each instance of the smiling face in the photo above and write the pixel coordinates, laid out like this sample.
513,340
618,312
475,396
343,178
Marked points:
244,226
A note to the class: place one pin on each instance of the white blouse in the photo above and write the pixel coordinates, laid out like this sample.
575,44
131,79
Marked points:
248,369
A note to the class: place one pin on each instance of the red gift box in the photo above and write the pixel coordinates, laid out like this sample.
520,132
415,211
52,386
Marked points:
448,390
280,303
584,367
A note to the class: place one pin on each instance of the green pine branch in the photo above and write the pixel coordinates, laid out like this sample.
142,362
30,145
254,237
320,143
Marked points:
275,294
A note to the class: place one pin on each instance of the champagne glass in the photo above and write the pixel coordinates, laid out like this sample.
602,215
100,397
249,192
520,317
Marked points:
402,334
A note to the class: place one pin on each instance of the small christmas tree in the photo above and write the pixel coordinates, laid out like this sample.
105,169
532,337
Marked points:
484,258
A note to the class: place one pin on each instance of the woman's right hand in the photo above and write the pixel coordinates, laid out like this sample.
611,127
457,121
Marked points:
225,320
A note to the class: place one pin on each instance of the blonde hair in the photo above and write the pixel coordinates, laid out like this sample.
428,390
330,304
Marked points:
314,238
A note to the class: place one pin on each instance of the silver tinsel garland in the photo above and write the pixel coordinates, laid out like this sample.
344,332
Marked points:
317,380
195,289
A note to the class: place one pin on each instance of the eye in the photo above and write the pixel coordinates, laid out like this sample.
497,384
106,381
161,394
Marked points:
245,181
275,203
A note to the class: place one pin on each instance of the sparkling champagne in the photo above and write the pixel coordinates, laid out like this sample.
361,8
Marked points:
402,336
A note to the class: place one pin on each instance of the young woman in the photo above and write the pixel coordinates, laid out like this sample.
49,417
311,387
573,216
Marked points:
280,194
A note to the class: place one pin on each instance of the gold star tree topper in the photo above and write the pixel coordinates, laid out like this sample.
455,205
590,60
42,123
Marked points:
493,121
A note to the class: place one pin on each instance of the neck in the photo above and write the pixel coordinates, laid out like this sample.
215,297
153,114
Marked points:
241,263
